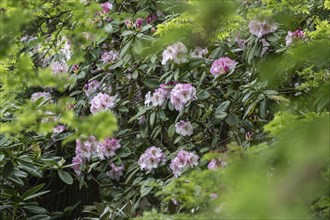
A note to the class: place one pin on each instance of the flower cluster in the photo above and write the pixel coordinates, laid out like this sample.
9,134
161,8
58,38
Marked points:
107,148
262,27
102,102
90,147
106,7
109,57
151,159
298,34
184,128
222,65
182,160
216,163
77,163
116,171
86,149
91,87
181,94
198,52
37,95
59,129
59,67
176,52
157,98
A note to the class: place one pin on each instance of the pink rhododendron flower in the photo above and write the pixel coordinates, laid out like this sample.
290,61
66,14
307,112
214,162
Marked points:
77,164
176,52
59,67
262,27
37,95
59,129
157,98
116,171
108,147
298,34
109,57
181,94
106,7
87,148
222,65
213,196
182,160
184,128
102,102
91,87
198,52
216,163
151,159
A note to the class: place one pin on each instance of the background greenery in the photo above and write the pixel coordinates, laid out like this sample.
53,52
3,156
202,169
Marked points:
279,96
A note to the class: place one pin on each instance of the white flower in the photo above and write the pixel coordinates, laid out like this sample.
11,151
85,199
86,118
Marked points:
59,67
102,102
176,52
184,128
262,27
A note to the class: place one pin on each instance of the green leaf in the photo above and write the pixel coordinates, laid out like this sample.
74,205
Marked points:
33,190
36,195
220,110
152,118
108,28
151,83
8,169
35,209
65,177
203,95
123,152
39,217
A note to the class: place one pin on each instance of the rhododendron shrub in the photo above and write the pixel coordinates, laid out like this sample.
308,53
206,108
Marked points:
113,108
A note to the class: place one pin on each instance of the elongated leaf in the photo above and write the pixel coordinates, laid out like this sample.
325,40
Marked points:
65,177
33,190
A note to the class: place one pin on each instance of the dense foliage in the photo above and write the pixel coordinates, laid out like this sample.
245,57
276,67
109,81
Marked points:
164,109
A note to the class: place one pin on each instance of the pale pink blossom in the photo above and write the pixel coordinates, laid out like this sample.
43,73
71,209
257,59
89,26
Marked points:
157,98
116,171
102,102
87,148
151,159
222,65
176,52
91,87
184,128
109,57
59,129
182,160
59,67
181,94
106,7
198,52
77,163
298,34
262,27
37,95
107,148
216,163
